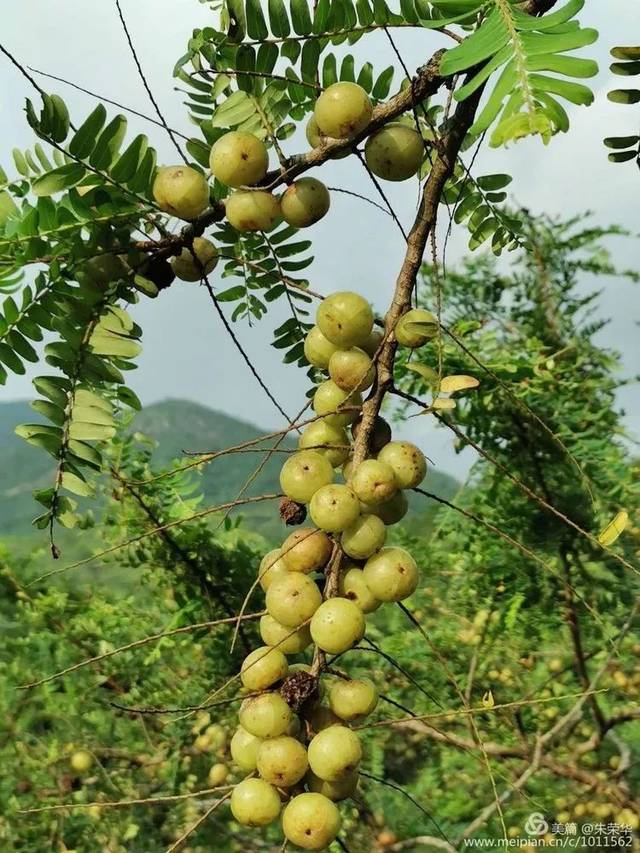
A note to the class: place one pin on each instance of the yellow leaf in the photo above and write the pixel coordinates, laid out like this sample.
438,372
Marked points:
487,700
426,372
611,532
443,403
450,384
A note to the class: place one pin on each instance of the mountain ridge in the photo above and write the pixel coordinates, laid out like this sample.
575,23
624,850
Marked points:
177,426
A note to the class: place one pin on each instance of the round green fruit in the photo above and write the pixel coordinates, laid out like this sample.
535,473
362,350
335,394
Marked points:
253,210
263,667
239,159
334,753
244,749
334,508
181,191
391,511
282,761
265,716
408,463
391,574
335,791
317,139
351,700
345,319
281,637
255,802
81,761
395,152
354,587
193,265
217,775
305,202
304,473
292,600
311,821
373,342
373,481
337,625
416,327
271,566
380,435
328,399
306,550
343,110
331,441
366,536
352,369
318,349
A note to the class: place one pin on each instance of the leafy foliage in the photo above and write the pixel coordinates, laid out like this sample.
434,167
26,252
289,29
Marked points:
625,148
524,101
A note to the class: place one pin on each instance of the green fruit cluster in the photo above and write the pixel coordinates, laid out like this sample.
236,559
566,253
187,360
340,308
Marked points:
303,762
240,161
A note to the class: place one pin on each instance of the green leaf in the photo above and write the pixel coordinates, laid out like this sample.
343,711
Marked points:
309,61
621,141
623,156
60,179
111,344
235,110
60,119
626,52
300,17
278,18
108,144
256,25
86,453
494,182
21,164
8,208
129,163
626,69
85,138
383,83
76,485
200,151
10,359
90,432
49,410
624,96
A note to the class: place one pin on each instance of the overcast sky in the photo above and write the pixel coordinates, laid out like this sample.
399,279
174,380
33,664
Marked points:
186,353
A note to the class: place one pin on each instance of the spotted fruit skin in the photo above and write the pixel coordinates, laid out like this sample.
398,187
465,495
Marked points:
239,159
343,110
334,508
181,191
337,625
311,821
253,210
391,574
407,461
345,319
395,152
304,473
255,802
305,202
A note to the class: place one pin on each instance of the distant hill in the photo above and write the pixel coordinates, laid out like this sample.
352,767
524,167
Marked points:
176,425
